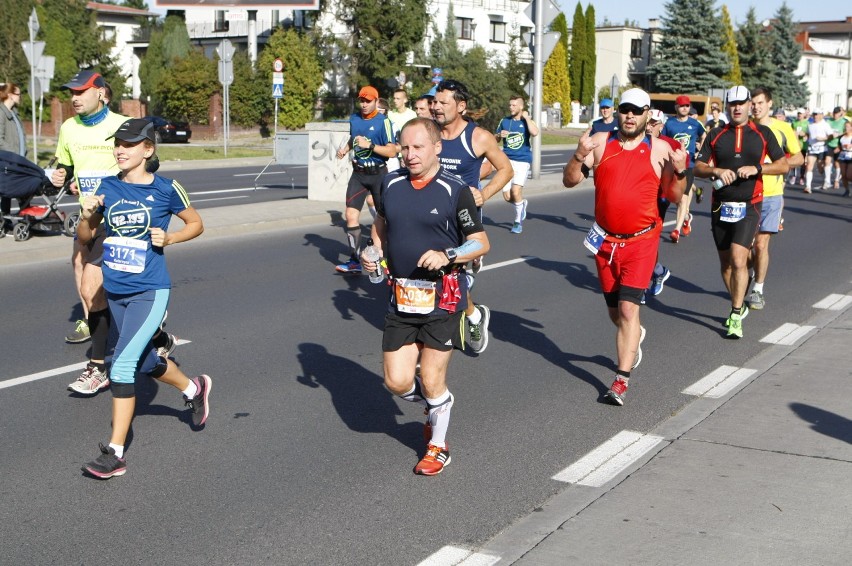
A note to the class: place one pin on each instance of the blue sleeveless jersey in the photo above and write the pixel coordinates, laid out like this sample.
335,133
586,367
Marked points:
458,158
516,145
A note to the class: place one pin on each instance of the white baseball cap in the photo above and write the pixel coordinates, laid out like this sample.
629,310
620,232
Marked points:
737,93
636,97
817,111
657,115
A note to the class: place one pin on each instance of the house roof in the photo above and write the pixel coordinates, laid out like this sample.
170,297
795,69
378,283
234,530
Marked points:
119,10
827,27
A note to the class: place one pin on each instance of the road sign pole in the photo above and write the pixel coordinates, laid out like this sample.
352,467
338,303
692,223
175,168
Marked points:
538,72
34,26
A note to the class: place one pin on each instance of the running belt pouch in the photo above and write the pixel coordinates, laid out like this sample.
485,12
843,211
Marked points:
450,292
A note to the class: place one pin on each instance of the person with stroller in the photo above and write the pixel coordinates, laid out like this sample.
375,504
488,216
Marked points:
136,207
12,138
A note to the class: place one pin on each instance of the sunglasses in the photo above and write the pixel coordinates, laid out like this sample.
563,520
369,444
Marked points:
455,86
631,109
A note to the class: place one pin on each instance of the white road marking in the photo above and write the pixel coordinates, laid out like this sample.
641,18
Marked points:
480,559
488,266
446,556
609,459
787,334
719,382
57,371
834,302
271,172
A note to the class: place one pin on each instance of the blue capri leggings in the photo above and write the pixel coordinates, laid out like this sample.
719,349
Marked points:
137,318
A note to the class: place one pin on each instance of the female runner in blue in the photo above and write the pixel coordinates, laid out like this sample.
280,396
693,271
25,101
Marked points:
136,207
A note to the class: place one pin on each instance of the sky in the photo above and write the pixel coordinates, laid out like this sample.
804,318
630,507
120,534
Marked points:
619,10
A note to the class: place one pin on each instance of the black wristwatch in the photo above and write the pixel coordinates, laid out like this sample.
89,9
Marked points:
451,254
372,146
759,168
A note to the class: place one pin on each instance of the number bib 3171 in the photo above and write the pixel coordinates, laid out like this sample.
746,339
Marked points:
125,254
732,211
414,296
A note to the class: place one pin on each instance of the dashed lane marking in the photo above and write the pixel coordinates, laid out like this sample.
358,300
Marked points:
719,382
488,266
787,334
834,302
56,371
609,459
454,555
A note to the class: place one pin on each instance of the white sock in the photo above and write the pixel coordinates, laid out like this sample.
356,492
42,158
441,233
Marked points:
119,450
809,177
475,317
519,208
415,395
439,417
827,182
191,390
758,287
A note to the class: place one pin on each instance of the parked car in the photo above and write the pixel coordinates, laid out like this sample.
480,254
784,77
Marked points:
169,131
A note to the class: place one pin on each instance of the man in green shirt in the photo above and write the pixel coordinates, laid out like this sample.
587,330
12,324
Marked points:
800,124
837,123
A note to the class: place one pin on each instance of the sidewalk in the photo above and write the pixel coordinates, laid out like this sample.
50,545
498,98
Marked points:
756,477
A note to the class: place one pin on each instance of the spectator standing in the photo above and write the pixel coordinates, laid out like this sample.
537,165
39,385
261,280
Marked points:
607,121
12,136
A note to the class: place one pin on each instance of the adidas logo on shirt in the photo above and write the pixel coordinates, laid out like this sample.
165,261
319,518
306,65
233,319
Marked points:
150,197
433,211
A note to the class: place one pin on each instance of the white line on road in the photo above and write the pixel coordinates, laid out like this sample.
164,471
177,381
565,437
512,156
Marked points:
719,382
787,334
57,371
218,198
454,555
508,262
609,459
271,172
834,302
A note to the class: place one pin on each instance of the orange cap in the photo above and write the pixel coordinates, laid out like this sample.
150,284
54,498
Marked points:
369,93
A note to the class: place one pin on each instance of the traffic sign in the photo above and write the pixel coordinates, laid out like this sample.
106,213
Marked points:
33,24
278,78
33,50
278,91
549,12
225,50
278,65
548,42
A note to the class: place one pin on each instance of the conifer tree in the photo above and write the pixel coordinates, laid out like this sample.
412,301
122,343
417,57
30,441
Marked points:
790,89
734,75
753,45
556,86
577,59
591,58
560,24
690,58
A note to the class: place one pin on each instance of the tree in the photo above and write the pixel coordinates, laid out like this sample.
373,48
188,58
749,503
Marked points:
790,89
302,76
556,85
588,94
518,73
383,32
688,59
168,43
191,84
753,45
560,24
734,75
577,59
249,94
13,30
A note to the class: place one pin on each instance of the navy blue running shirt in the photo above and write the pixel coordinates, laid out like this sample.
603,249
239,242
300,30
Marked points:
457,156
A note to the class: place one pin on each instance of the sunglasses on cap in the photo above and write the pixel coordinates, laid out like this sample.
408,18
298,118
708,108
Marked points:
454,86
631,109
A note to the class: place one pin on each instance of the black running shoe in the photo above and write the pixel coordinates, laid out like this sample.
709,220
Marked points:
199,404
106,465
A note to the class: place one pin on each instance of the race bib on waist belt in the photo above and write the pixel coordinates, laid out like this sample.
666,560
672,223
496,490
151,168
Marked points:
125,254
415,296
88,181
732,211
595,238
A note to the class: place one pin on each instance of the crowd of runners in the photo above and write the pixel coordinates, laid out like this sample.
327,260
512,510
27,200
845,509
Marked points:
426,173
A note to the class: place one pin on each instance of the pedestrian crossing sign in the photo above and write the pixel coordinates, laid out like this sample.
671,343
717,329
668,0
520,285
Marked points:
277,91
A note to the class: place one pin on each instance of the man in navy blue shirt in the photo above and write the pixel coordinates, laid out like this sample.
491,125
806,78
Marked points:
607,121
690,133
515,131
371,136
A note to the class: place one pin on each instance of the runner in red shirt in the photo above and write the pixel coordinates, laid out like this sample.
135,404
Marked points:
630,168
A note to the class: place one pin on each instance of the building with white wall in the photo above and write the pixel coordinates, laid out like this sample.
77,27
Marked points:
826,63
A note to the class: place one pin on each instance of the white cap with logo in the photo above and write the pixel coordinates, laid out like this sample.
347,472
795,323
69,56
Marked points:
636,97
737,93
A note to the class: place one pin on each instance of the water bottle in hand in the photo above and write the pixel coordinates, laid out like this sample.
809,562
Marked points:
371,253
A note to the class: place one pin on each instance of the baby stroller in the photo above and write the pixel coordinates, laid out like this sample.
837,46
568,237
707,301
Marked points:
23,180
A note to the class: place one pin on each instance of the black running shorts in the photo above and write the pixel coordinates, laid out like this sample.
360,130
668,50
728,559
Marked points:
438,332
742,232
360,183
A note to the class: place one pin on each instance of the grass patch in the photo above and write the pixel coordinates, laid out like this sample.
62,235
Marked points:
189,152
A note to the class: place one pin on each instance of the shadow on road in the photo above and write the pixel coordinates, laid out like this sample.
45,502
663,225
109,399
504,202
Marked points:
358,395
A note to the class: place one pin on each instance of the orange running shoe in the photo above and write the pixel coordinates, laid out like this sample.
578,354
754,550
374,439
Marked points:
433,462
687,224
675,236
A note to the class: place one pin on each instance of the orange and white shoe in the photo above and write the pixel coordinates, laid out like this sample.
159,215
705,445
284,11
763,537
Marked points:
433,462
675,236
687,225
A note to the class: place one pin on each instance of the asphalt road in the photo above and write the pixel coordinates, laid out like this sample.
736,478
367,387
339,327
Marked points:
306,459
